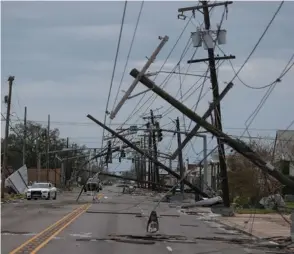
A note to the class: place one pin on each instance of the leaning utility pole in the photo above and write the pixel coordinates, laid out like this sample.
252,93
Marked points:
238,145
209,45
5,148
207,113
137,149
180,157
142,72
24,137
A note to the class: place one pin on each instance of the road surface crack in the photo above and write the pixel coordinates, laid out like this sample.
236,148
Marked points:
15,232
114,212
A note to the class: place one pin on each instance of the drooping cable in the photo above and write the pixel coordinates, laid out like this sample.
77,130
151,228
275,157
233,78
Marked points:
259,40
129,53
114,68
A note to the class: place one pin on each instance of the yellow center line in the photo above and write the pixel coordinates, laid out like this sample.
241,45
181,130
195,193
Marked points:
77,211
59,230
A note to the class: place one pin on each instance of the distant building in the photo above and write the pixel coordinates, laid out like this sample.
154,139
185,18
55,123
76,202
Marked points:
284,151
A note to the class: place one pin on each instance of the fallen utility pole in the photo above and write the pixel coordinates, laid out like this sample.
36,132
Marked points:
136,180
5,152
133,179
238,145
180,157
194,131
64,173
102,153
159,164
135,82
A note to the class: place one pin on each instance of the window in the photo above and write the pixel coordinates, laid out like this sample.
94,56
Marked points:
40,185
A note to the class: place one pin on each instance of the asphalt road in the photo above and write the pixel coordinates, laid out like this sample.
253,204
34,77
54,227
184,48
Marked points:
116,225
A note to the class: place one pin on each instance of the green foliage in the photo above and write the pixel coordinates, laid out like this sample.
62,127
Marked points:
247,183
38,132
241,200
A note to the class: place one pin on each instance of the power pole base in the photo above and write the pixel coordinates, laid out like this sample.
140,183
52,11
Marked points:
223,211
292,227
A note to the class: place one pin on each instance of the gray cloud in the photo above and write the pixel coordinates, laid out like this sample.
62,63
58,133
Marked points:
62,55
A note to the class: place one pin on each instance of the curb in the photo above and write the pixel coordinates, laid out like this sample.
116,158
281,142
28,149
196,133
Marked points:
235,227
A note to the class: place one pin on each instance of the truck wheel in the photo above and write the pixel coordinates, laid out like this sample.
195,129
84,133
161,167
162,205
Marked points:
55,196
28,198
48,196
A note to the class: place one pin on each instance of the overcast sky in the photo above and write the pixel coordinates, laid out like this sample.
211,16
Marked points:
62,55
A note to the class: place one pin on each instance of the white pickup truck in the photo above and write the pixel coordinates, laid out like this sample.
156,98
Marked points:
41,191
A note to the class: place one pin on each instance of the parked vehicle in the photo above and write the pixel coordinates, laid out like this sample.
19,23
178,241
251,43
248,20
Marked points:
93,185
41,191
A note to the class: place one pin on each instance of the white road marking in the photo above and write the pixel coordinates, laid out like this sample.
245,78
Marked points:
169,248
28,234
82,235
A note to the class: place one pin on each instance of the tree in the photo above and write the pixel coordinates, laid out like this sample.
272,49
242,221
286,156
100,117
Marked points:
36,132
247,181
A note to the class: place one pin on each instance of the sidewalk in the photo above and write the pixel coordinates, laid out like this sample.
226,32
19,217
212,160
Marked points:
259,225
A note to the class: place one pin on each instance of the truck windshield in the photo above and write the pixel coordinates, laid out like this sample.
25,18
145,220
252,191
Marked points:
40,185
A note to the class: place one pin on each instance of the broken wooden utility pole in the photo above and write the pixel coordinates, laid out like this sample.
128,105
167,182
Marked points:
236,144
180,156
24,137
194,131
135,82
209,44
5,147
159,164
